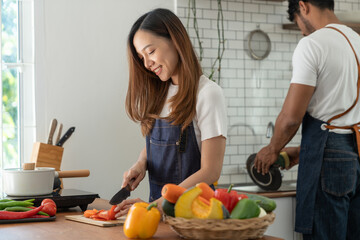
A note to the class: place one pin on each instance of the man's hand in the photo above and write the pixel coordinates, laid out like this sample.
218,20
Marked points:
265,158
293,153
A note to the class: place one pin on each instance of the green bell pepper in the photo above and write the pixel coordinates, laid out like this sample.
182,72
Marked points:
244,209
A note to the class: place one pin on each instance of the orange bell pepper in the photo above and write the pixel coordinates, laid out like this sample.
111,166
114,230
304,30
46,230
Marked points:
142,220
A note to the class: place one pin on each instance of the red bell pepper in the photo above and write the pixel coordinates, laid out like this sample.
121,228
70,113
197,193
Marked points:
6,215
105,215
228,197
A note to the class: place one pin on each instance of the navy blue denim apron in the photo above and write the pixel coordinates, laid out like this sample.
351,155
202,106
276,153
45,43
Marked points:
311,156
315,134
172,156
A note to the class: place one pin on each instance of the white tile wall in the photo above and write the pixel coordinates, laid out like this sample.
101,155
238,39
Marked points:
254,90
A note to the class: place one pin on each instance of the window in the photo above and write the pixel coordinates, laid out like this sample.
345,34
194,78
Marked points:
17,122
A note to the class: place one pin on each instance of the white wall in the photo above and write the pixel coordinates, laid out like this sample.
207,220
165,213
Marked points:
81,79
254,90
81,76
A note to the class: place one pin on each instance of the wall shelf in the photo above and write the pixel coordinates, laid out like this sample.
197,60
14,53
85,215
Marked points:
291,26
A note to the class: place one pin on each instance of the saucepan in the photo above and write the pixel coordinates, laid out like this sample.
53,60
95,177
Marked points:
34,182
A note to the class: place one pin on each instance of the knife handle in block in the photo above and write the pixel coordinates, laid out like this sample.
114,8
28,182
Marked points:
52,131
59,133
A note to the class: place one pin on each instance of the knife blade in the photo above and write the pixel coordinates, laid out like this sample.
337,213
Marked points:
121,195
52,131
65,137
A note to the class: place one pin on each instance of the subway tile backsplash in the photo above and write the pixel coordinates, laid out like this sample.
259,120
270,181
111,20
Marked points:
254,90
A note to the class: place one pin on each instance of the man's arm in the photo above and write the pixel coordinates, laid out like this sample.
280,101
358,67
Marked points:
286,126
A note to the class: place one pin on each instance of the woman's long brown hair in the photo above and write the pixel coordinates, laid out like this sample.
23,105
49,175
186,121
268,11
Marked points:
146,93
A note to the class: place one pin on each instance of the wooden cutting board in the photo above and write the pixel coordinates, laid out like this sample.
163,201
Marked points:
82,219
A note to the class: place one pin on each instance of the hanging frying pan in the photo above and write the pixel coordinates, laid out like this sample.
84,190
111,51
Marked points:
272,180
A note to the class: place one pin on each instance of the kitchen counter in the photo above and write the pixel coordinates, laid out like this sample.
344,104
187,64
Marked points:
287,189
64,229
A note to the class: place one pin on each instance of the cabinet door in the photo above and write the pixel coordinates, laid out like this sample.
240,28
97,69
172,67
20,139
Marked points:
283,226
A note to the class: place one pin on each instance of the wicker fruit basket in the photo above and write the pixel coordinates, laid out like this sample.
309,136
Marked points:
220,229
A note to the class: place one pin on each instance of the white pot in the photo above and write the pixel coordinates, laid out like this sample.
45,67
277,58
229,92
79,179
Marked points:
19,182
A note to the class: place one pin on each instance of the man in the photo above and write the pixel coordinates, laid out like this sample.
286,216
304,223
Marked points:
323,96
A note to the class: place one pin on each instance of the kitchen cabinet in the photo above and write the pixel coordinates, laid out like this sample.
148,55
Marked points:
284,223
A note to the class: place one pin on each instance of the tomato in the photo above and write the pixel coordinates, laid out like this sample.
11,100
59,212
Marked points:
48,200
49,206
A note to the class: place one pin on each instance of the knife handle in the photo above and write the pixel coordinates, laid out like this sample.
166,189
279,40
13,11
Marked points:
59,133
52,131
65,137
72,173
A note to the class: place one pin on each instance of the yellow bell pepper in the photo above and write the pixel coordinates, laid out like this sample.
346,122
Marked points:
142,220
190,206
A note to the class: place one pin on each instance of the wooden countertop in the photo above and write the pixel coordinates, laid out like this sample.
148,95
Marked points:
64,229
277,194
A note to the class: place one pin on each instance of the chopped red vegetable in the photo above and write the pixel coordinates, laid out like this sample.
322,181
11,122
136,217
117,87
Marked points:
102,215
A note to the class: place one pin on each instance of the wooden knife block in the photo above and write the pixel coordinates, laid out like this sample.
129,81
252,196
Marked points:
46,155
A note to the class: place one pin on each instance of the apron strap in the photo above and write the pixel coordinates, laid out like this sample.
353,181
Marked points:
358,82
354,127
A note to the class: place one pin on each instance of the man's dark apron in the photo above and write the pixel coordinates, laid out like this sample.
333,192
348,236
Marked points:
172,156
314,137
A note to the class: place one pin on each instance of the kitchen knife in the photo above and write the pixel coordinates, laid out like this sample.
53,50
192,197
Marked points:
52,131
59,133
121,195
65,137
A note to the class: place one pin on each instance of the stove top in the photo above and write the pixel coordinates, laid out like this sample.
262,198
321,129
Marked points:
64,198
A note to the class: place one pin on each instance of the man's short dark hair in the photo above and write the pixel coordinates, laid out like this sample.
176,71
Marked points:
322,4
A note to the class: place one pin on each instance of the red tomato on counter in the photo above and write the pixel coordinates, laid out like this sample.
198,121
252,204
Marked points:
49,206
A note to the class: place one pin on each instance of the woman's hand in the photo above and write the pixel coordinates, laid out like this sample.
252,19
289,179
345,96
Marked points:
136,173
123,207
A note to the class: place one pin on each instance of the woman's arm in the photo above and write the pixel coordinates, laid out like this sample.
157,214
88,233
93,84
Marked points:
136,172
212,157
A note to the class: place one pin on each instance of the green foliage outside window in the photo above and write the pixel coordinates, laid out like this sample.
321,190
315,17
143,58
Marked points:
10,100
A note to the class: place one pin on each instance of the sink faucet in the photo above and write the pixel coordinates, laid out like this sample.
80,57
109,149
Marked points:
242,125
269,130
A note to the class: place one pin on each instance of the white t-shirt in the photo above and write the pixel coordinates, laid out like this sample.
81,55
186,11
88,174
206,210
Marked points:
210,119
325,60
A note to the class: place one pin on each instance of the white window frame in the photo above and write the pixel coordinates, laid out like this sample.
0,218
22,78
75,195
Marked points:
25,67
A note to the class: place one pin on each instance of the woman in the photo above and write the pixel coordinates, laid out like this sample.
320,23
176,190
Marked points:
182,113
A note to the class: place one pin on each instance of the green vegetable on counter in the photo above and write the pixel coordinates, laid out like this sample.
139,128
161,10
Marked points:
168,208
266,203
6,204
244,209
